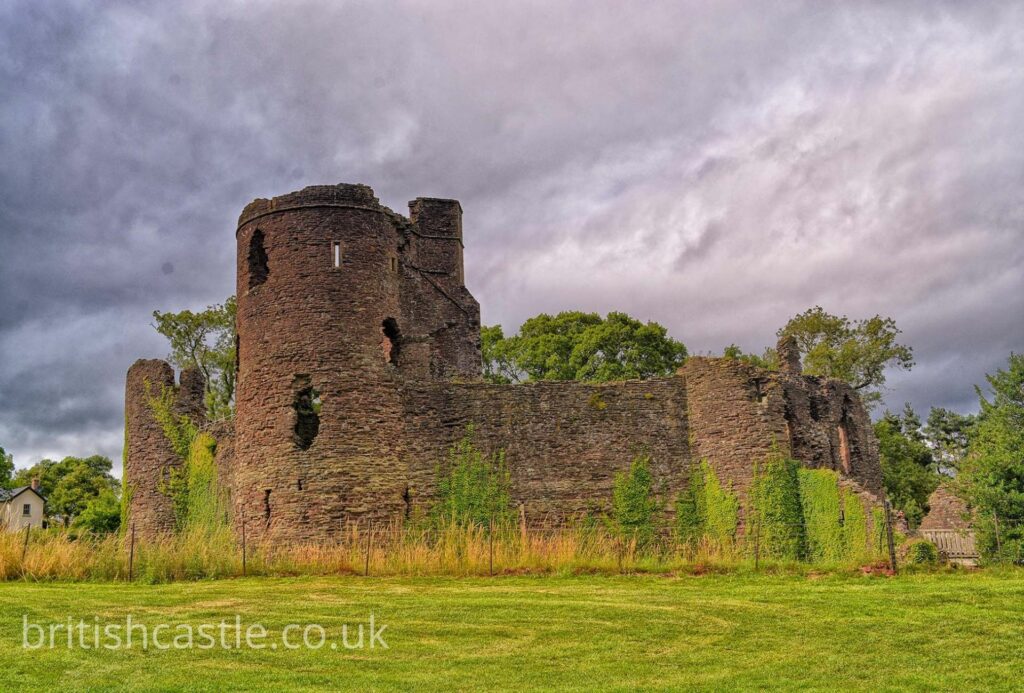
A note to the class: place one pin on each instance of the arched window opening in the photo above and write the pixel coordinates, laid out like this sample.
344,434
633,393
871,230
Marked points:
391,341
259,270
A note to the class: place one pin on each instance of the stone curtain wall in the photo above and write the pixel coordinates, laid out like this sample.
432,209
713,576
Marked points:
149,456
563,442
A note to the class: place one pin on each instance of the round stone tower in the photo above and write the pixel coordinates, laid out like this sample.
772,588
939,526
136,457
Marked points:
318,407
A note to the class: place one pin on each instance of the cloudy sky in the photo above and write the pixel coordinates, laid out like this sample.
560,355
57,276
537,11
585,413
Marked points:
715,166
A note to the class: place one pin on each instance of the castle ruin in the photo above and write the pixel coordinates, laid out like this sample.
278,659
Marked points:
359,366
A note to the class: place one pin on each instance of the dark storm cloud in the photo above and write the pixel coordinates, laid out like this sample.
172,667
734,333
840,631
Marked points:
718,167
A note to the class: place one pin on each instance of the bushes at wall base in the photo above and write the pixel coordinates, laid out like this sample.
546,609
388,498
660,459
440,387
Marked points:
473,488
920,552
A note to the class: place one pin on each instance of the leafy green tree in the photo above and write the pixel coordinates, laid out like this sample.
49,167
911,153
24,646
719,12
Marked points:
205,340
101,514
634,503
581,346
70,484
6,468
948,434
499,366
908,466
768,360
991,475
855,351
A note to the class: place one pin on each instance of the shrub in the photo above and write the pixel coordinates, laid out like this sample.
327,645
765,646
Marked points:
101,514
473,488
776,511
633,502
920,552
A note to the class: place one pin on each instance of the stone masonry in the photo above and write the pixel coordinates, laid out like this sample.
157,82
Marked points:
359,365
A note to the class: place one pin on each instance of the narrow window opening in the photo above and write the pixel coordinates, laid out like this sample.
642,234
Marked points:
259,269
307,405
299,484
391,341
266,506
337,254
407,499
394,263
759,391
815,406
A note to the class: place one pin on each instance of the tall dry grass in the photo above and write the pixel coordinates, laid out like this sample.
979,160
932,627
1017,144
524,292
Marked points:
390,550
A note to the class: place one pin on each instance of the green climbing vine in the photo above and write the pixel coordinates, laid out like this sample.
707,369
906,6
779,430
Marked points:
819,499
198,501
707,511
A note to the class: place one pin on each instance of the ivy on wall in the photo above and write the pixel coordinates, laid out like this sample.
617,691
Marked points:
198,501
776,513
634,503
819,500
707,511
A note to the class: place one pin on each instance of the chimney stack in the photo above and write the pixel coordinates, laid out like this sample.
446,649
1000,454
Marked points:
35,483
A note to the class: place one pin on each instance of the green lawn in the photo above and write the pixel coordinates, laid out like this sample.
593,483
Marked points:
924,632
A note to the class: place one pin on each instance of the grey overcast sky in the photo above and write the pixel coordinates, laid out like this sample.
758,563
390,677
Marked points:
715,166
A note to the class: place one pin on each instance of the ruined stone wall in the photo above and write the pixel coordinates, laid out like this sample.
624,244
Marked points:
440,318
740,414
946,510
149,456
563,442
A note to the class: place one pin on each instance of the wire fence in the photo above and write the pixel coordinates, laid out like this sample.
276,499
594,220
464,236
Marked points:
483,549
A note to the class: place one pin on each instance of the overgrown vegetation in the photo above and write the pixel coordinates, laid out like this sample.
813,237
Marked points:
820,506
634,504
707,513
472,488
776,515
200,505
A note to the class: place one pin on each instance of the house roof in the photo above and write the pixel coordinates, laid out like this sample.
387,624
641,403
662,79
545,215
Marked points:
9,494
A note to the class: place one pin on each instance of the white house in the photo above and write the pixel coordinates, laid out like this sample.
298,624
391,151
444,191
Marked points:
22,506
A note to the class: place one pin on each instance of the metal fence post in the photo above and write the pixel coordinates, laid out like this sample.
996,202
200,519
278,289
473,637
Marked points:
757,546
131,554
24,550
490,536
243,543
369,539
889,537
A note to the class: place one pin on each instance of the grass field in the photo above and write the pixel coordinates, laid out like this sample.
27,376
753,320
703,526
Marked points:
918,632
